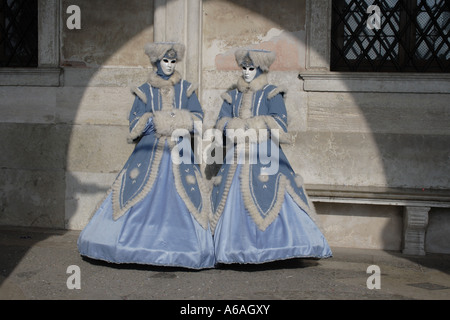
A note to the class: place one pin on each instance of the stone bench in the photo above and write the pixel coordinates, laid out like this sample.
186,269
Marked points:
416,204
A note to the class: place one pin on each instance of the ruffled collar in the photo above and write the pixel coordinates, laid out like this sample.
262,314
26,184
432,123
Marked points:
156,81
255,85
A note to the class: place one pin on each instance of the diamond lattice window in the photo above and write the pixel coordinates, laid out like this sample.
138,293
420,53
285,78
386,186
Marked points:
411,36
18,33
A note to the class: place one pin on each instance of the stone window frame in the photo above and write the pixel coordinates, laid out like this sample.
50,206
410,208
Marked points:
318,77
48,71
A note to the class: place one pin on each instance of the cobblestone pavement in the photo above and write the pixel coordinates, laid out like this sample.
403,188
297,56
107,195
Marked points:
35,265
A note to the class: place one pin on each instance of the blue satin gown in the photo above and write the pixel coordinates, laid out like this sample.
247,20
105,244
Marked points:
293,234
159,230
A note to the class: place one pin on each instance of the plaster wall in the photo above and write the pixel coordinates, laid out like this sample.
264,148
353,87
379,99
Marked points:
63,145
389,132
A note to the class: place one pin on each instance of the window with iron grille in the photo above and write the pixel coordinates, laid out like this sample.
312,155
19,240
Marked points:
18,33
413,36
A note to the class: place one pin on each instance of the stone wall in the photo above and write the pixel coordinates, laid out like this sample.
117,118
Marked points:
63,127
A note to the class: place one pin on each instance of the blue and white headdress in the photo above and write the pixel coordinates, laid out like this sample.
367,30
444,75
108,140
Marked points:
156,51
262,59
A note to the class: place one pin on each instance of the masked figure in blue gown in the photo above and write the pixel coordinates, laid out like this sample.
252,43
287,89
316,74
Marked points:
155,212
260,210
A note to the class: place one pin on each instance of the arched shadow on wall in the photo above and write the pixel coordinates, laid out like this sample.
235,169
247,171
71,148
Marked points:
393,148
400,156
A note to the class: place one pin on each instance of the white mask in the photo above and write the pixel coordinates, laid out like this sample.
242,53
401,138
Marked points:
249,73
168,66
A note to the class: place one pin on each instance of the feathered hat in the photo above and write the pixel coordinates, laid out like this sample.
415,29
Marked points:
257,58
158,50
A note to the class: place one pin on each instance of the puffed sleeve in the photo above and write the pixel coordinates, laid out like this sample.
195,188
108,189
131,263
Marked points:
277,109
194,104
139,118
226,112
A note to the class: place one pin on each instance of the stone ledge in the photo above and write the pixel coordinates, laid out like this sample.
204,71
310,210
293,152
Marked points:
416,204
375,82
40,77
436,198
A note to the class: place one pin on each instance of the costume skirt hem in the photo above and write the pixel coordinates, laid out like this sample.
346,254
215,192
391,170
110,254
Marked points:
275,259
147,263
270,259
